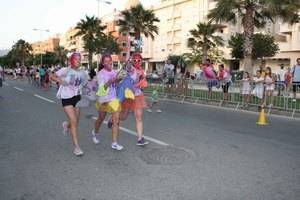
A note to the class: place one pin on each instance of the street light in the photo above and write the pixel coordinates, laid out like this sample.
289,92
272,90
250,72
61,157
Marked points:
108,3
102,1
41,31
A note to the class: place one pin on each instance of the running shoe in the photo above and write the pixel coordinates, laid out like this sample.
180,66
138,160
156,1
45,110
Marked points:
149,110
65,128
77,151
294,100
116,146
110,122
158,111
95,137
142,142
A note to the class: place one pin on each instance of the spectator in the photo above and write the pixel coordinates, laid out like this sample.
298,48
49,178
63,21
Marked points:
170,74
262,68
288,76
225,78
182,76
270,86
296,77
259,87
280,79
210,75
246,88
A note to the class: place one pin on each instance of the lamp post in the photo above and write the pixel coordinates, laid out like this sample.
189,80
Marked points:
105,2
41,31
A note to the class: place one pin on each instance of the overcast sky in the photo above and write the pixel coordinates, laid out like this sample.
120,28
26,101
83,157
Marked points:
18,17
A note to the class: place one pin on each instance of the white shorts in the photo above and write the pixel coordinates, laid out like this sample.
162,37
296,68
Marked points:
258,92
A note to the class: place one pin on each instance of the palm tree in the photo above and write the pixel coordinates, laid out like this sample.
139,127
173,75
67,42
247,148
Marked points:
91,31
110,44
21,50
254,14
204,38
61,54
139,21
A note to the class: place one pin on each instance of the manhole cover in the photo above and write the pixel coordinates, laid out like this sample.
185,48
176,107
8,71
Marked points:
167,156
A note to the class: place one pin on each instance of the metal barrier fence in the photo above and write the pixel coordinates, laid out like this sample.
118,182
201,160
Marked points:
278,96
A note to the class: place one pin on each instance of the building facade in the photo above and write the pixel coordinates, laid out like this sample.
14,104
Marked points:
49,45
178,17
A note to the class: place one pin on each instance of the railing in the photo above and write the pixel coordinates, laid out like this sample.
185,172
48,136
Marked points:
197,91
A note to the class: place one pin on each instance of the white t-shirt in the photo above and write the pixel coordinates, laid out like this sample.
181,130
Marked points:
73,82
169,69
281,73
296,72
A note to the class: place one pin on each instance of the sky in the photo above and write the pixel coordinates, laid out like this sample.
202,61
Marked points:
19,17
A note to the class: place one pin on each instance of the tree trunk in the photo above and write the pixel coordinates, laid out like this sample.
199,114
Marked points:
248,43
204,50
90,59
137,38
23,58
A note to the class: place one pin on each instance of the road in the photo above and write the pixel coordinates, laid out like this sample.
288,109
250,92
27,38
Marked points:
196,152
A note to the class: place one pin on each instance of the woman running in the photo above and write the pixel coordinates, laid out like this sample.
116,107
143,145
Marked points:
71,80
107,101
138,104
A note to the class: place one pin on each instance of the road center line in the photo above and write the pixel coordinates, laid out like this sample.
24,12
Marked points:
20,89
134,133
44,98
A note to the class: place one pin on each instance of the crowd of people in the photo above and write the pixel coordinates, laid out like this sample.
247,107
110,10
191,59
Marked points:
261,85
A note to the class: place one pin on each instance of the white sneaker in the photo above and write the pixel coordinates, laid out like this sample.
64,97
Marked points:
294,100
95,137
66,130
158,110
116,146
149,110
77,151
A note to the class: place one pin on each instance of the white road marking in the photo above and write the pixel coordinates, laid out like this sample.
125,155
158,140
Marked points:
5,84
20,89
134,133
44,98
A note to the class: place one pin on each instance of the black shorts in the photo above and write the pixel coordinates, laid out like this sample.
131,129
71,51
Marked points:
225,87
296,85
71,101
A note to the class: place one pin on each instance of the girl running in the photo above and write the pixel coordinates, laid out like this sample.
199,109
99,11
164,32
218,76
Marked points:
138,104
71,80
107,101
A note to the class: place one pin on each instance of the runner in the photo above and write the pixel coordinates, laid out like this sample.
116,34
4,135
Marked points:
138,104
71,80
107,101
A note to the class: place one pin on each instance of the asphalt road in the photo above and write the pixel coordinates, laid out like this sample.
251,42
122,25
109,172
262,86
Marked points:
196,152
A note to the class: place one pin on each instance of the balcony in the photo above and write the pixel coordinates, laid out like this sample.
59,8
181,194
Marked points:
280,38
285,28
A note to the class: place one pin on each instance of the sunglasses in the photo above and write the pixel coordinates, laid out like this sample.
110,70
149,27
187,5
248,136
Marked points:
137,60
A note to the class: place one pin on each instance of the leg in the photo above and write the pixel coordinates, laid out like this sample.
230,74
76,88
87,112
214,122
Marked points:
99,120
138,113
72,118
124,114
115,127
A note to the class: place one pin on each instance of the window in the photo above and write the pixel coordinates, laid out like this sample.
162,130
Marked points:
124,54
124,44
